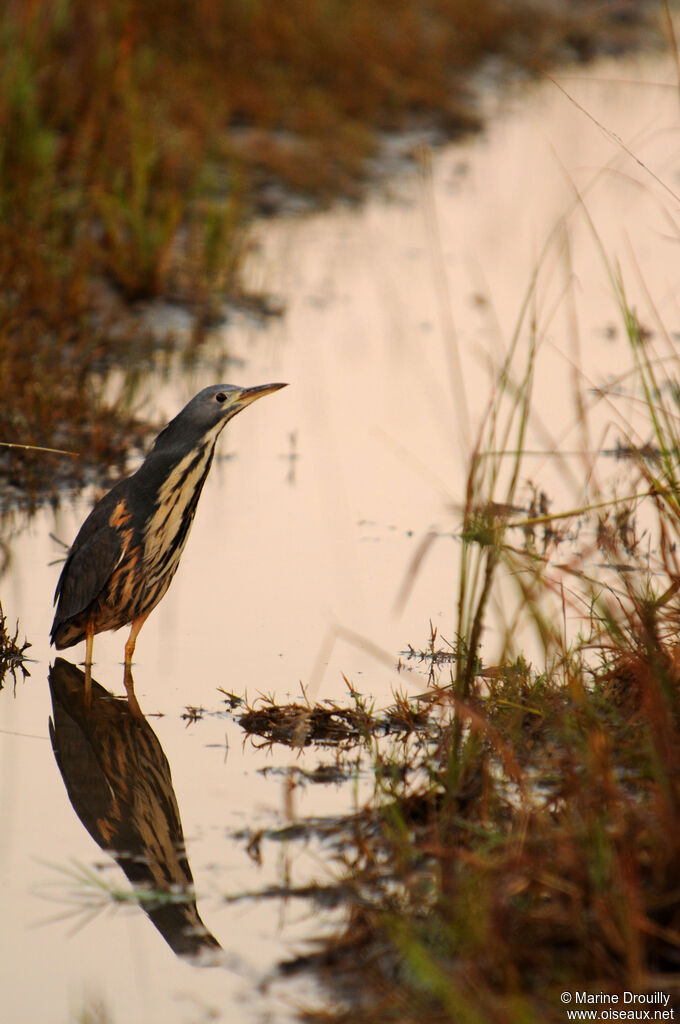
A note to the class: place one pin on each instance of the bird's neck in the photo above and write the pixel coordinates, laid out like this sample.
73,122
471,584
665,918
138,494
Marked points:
174,483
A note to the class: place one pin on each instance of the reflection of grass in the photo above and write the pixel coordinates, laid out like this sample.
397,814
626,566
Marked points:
133,139
85,893
94,1011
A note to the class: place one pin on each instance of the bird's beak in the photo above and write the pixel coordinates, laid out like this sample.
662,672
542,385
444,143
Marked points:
249,395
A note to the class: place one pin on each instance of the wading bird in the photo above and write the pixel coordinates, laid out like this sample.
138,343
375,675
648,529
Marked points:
128,549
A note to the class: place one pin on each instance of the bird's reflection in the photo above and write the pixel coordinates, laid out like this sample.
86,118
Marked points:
118,780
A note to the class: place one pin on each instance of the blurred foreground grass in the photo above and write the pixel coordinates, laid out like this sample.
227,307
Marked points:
135,139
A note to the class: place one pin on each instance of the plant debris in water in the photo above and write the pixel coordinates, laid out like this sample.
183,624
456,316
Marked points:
327,724
12,653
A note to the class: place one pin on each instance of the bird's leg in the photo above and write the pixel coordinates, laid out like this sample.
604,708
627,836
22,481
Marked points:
132,639
89,645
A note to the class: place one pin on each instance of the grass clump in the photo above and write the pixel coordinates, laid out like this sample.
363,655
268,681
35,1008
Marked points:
542,858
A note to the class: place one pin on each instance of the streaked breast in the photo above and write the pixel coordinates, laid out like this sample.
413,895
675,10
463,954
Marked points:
167,530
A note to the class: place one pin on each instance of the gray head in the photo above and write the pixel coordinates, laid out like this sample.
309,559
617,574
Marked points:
207,413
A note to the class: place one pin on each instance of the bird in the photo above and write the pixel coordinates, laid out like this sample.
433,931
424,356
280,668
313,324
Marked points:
127,551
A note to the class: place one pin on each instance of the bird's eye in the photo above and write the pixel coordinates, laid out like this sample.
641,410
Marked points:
220,397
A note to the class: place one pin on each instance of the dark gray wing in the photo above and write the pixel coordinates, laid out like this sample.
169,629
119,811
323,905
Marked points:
89,565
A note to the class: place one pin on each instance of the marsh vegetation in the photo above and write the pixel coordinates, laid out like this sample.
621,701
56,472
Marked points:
137,143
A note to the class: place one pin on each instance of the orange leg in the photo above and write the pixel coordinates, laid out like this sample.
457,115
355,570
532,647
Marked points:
132,639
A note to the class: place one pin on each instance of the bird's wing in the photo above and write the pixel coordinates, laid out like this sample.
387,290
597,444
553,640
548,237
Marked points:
87,568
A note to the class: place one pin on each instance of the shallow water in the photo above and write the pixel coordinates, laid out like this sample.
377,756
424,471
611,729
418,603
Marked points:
304,535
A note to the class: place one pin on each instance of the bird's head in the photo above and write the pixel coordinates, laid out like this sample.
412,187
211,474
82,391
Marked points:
209,411
219,403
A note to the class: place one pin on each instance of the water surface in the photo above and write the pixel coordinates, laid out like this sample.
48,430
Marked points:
306,527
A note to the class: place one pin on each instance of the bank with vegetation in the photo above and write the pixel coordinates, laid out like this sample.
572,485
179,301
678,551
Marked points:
136,141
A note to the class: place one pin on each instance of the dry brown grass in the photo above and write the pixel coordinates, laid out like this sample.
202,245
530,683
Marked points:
134,140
